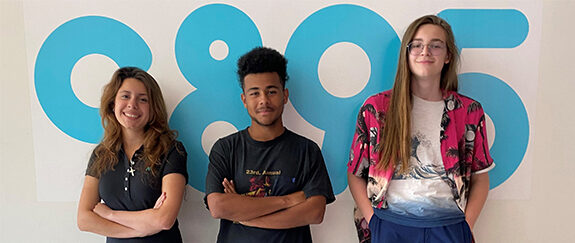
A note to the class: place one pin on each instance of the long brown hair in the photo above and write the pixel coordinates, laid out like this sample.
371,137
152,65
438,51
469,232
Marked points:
395,141
158,138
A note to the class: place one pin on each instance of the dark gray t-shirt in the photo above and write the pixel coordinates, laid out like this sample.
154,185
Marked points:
287,164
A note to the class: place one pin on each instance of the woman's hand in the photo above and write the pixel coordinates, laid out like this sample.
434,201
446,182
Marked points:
103,210
160,200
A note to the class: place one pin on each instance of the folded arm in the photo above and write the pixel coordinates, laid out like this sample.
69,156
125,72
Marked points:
89,221
153,220
236,207
311,211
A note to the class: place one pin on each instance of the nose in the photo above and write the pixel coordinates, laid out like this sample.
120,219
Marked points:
133,103
264,98
425,51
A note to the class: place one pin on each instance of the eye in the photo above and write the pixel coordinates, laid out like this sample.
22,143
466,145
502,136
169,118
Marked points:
416,45
272,92
124,96
144,100
254,93
436,45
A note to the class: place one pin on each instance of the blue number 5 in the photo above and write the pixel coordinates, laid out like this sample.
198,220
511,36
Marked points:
500,28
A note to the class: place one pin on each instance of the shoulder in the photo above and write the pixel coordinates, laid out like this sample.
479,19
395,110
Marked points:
178,146
229,141
296,139
379,100
375,107
236,136
463,104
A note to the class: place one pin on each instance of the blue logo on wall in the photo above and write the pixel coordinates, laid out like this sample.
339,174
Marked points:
474,28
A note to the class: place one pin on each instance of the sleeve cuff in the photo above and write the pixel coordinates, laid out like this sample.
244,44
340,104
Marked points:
484,170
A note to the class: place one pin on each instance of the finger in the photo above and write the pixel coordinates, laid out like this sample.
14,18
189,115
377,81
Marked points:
160,200
232,187
226,185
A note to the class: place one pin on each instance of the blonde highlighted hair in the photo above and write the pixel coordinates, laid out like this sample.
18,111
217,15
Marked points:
395,140
158,138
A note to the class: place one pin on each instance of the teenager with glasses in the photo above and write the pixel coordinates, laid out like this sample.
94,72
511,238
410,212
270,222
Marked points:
420,156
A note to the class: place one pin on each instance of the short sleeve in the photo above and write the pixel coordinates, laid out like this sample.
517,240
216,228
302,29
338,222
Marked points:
359,157
316,178
217,168
482,160
176,161
90,168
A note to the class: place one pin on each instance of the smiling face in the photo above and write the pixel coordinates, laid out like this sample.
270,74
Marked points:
131,106
427,65
264,97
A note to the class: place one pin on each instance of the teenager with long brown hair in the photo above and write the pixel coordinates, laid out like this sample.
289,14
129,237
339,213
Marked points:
420,156
138,169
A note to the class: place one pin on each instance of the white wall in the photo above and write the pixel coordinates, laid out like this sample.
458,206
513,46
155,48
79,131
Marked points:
545,216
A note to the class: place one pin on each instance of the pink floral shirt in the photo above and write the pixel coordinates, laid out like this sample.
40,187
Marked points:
464,145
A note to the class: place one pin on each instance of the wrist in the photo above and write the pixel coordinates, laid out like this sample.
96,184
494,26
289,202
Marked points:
110,215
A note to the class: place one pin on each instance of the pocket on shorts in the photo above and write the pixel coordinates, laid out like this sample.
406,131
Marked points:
371,221
468,232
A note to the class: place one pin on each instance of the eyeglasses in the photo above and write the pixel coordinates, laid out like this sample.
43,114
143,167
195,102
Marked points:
436,48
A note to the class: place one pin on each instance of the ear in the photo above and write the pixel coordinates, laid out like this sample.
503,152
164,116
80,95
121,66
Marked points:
286,95
447,58
243,96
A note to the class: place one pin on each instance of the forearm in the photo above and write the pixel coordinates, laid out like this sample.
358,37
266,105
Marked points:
91,222
153,220
235,207
358,189
477,196
147,221
309,212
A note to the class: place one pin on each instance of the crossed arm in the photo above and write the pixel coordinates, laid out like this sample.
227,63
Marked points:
98,218
275,212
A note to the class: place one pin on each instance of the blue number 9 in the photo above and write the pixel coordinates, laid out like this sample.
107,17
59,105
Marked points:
335,115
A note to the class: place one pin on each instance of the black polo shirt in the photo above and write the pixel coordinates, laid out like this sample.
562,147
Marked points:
130,186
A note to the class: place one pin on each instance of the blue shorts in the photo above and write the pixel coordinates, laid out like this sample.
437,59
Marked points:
383,231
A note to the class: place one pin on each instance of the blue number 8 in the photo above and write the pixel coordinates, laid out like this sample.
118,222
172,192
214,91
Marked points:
217,97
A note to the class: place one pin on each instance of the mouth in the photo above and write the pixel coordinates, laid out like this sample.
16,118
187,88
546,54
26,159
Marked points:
264,110
133,116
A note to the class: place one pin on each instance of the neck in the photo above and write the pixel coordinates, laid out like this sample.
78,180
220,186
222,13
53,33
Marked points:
427,89
265,133
132,141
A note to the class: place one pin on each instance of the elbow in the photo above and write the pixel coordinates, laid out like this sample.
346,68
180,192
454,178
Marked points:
82,223
216,207
316,217
166,223
217,211
215,214
81,226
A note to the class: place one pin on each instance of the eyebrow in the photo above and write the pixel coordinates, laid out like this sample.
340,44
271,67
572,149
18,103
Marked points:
268,87
432,40
129,92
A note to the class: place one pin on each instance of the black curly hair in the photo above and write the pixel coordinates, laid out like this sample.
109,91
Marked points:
262,60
